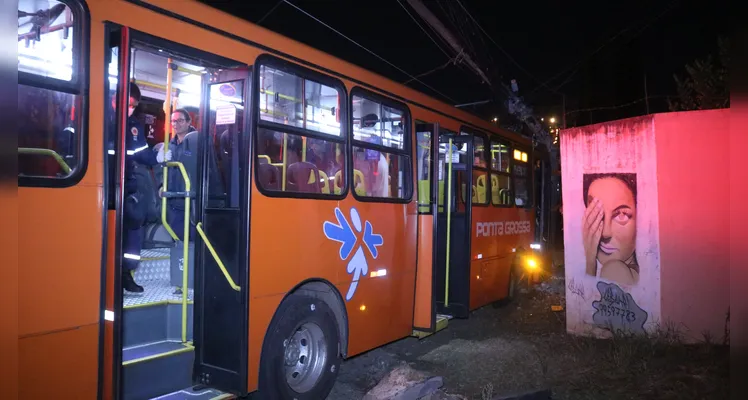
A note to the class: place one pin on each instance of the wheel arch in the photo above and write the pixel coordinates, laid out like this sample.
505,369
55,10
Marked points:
323,290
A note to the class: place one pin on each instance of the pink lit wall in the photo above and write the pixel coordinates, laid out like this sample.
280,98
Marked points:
645,247
694,211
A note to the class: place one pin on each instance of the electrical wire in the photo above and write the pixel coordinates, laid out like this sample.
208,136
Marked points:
367,50
269,12
424,30
517,64
610,40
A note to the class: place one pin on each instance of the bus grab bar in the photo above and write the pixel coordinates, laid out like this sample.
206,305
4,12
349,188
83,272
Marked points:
186,241
46,152
233,285
187,186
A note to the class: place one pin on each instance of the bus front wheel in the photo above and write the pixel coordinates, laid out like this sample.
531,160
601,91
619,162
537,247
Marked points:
300,358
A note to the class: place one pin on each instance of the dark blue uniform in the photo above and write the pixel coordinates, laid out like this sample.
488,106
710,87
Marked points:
134,212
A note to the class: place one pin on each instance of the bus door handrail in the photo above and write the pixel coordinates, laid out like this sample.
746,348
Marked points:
46,152
199,228
186,241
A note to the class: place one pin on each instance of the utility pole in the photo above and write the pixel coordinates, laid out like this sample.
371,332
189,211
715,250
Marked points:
432,20
563,110
514,104
646,97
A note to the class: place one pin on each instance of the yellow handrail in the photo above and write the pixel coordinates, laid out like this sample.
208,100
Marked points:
186,241
46,152
216,258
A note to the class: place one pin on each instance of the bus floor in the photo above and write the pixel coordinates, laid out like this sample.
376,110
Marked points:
157,351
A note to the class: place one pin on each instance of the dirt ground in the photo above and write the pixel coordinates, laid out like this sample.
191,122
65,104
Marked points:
503,349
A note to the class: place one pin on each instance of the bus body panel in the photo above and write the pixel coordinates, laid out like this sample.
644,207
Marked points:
59,272
64,364
493,245
423,310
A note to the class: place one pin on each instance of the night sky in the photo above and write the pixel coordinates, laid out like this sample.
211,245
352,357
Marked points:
595,53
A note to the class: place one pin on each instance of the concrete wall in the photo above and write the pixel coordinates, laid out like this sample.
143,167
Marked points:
612,282
694,217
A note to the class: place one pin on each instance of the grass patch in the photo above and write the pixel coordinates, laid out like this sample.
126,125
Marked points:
656,366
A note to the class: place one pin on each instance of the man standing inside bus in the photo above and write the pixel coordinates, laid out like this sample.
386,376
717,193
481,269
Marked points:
135,204
186,152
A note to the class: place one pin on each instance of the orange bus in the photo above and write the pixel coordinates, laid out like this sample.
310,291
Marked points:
329,210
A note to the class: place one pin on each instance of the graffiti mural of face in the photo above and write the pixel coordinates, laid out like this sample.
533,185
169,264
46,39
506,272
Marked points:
618,239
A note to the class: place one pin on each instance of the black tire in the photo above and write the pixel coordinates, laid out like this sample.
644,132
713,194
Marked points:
295,313
513,284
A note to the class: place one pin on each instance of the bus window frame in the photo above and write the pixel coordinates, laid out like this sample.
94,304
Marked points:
79,85
464,129
257,123
528,178
407,150
510,146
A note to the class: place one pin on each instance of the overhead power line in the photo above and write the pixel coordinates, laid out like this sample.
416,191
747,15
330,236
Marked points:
367,50
269,12
509,56
424,30
607,42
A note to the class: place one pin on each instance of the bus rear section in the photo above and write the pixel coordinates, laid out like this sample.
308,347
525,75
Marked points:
476,239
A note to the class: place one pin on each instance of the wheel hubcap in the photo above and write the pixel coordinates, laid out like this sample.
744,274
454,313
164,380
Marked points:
305,356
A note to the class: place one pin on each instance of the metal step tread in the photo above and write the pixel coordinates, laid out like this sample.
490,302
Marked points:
155,292
196,393
158,253
442,316
145,352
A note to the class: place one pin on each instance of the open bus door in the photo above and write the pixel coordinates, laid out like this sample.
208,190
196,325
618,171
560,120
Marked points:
452,264
221,301
185,335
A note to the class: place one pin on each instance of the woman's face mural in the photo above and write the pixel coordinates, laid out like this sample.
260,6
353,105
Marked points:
609,227
618,238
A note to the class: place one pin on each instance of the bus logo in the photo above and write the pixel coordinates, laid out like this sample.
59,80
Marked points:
349,240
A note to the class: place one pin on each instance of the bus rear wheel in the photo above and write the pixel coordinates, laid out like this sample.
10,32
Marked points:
300,358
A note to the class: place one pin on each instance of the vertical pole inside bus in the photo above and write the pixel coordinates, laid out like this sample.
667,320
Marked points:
449,222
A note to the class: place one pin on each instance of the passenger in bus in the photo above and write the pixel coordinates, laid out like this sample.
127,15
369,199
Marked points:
135,210
186,152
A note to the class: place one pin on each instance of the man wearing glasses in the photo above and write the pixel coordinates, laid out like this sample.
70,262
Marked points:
183,148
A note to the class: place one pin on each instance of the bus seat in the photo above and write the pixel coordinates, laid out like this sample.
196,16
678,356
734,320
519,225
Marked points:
480,190
297,178
268,176
323,180
359,185
496,199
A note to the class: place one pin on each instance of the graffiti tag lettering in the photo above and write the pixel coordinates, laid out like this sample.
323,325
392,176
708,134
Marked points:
617,310
577,289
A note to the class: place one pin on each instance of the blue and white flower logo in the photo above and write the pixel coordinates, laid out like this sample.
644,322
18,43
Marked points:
343,233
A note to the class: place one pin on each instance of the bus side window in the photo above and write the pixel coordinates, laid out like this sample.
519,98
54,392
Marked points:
312,158
501,183
521,175
423,157
380,151
50,120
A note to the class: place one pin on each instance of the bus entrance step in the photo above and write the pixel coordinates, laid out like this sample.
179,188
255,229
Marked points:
155,369
442,321
196,393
